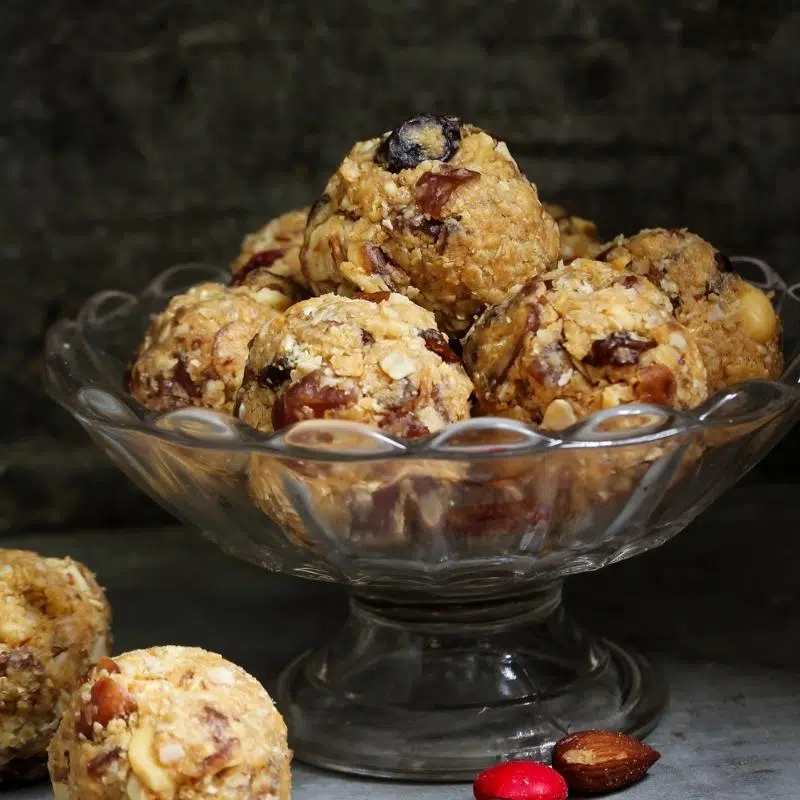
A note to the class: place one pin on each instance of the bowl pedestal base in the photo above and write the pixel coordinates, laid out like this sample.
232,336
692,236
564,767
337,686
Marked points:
437,692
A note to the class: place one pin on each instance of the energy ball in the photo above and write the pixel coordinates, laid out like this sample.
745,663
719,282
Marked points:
437,210
273,250
732,321
170,723
373,506
54,623
577,236
194,352
378,359
584,337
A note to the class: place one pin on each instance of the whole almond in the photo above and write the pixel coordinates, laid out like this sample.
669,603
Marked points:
594,762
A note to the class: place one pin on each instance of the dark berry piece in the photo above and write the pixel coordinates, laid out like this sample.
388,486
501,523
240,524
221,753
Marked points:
723,262
436,343
618,350
181,376
426,137
274,375
404,424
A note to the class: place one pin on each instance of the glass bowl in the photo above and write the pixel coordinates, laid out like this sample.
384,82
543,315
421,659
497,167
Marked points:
457,651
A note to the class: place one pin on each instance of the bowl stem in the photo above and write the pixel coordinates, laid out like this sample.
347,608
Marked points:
434,691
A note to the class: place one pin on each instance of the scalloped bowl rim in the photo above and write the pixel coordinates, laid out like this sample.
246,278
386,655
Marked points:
220,431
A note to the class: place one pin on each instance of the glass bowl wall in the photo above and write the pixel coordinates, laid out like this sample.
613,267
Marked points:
457,651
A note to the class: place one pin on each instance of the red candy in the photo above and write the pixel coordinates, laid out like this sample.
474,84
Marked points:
520,780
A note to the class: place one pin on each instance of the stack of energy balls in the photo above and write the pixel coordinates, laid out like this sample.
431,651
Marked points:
429,284
167,723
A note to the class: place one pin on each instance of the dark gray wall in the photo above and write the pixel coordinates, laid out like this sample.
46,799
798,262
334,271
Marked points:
145,133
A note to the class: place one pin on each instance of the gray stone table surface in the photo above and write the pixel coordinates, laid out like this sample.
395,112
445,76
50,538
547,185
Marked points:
718,607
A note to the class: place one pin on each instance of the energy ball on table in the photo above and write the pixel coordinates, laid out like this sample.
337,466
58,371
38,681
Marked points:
194,352
584,337
170,723
54,623
273,252
733,322
377,359
578,236
437,210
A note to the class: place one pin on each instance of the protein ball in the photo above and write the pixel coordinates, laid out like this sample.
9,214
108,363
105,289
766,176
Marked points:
54,623
170,723
274,250
194,352
733,322
582,338
437,210
378,360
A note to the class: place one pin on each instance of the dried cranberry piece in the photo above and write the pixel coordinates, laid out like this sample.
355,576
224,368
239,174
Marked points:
436,343
629,281
274,375
404,424
618,349
367,337
266,258
425,137
373,297
309,399
657,385
434,189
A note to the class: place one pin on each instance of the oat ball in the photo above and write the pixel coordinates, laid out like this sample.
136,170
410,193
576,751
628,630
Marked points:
54,623
437,210
378,359
274,251
584,337
170,723
733,322
371,505
194,351
577,236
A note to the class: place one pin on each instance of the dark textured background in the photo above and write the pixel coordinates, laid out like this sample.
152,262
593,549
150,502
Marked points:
146,133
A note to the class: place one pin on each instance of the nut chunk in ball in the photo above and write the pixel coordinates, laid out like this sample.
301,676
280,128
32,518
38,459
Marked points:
378,360
733,322
195,350
273,252
54,624
582,338
437,210
170,723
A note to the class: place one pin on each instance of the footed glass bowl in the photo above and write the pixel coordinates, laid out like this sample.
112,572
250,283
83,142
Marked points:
457,651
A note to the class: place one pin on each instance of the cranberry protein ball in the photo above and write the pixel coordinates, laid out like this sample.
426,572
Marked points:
584,337
54,624
733,322
377,359
273,252
194,352
170,723
437,210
